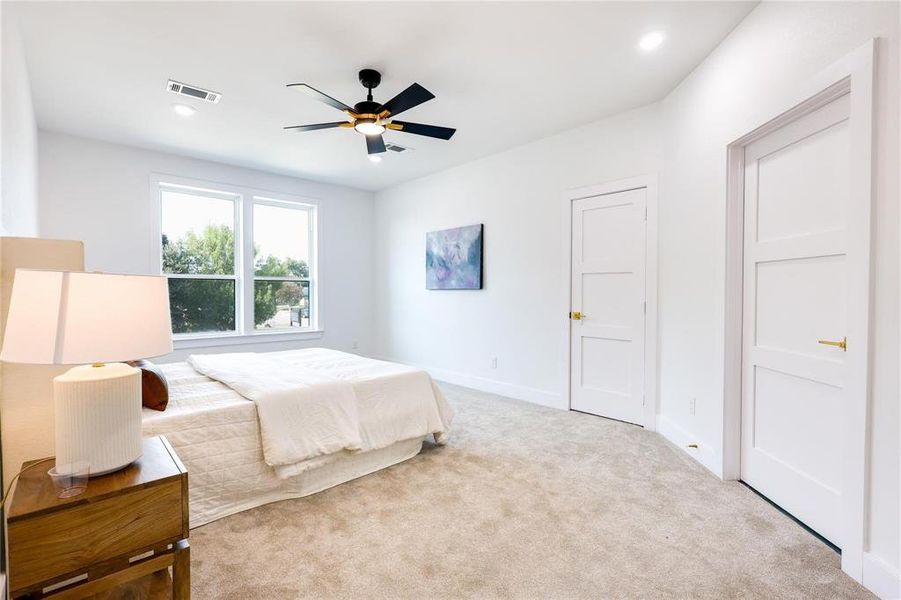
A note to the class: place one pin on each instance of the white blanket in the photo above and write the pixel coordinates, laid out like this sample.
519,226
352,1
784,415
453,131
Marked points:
302,414
317,403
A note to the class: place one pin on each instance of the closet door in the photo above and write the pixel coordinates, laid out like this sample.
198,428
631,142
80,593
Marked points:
608,305
797,182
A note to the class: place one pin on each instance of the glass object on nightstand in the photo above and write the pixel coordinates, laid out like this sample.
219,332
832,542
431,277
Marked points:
70,479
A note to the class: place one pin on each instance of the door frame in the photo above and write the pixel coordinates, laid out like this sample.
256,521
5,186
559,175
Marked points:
852,74
649,182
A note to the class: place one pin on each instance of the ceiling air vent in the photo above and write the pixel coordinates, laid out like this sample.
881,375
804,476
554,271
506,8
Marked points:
396,147
193,92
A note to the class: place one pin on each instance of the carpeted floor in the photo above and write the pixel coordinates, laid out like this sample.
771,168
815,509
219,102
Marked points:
525,502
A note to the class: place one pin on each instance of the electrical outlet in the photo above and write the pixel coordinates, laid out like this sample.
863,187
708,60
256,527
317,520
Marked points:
691,406
355,345
493,362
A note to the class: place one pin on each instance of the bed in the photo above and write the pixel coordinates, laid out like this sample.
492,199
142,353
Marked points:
216,431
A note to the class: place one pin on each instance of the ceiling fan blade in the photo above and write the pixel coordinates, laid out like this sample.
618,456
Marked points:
316,126
375,144
407,99
314,93
444,133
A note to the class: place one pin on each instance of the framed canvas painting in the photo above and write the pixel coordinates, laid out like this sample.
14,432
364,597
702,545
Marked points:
453,259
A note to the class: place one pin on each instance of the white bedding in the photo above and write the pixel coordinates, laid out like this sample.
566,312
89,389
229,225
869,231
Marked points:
216,433
303,413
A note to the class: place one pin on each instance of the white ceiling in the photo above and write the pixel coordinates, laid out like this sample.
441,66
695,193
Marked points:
504,74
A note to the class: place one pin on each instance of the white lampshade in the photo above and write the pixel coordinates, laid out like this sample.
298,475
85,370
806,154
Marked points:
66,318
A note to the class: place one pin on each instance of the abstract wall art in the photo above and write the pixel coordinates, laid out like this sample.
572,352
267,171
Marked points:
453,259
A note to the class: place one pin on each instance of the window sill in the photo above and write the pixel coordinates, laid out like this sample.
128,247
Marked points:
233,339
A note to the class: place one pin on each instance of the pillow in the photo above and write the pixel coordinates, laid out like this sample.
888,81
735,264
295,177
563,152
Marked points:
154,387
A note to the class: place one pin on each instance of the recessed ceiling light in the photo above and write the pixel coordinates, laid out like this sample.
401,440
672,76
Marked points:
375,158
651,41
183,110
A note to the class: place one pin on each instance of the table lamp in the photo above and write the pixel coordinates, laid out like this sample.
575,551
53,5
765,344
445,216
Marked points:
69,318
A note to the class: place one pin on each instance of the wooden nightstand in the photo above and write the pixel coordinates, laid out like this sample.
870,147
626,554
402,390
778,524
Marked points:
127,525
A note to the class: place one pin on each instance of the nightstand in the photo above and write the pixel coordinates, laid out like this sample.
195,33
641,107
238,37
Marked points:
127,525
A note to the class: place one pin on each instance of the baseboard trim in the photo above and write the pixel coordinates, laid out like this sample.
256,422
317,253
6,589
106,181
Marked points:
880,577
704,453
492,386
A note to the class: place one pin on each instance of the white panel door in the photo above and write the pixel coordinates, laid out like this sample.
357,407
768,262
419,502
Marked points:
608,293
797,182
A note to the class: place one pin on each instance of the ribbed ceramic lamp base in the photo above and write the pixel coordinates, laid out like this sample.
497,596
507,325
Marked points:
98,416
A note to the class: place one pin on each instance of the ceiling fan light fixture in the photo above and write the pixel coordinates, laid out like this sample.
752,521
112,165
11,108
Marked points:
369,127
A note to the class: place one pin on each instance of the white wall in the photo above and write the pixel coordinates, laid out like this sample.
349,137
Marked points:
99,193
778,46
519,315
18,134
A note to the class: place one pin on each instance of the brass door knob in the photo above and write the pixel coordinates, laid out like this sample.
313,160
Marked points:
843,343
576,316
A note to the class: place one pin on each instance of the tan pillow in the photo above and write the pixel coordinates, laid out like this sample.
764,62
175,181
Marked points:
154,387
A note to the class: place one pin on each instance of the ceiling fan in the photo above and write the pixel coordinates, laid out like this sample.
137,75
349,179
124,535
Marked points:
372,118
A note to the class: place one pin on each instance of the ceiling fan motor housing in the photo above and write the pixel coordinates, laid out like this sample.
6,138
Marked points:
370,78
367,107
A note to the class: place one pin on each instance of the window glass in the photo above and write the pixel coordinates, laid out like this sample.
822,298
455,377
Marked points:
281,304
202,305
198,234
281,241
281,245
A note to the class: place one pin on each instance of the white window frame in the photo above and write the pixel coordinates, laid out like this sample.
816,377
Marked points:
244,199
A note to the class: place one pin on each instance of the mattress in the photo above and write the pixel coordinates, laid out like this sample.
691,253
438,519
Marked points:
216,433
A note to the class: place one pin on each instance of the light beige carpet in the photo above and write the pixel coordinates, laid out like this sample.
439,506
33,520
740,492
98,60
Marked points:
525,502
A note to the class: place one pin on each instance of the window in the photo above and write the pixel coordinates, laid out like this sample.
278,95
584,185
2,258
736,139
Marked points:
281,245
198,255
238,263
